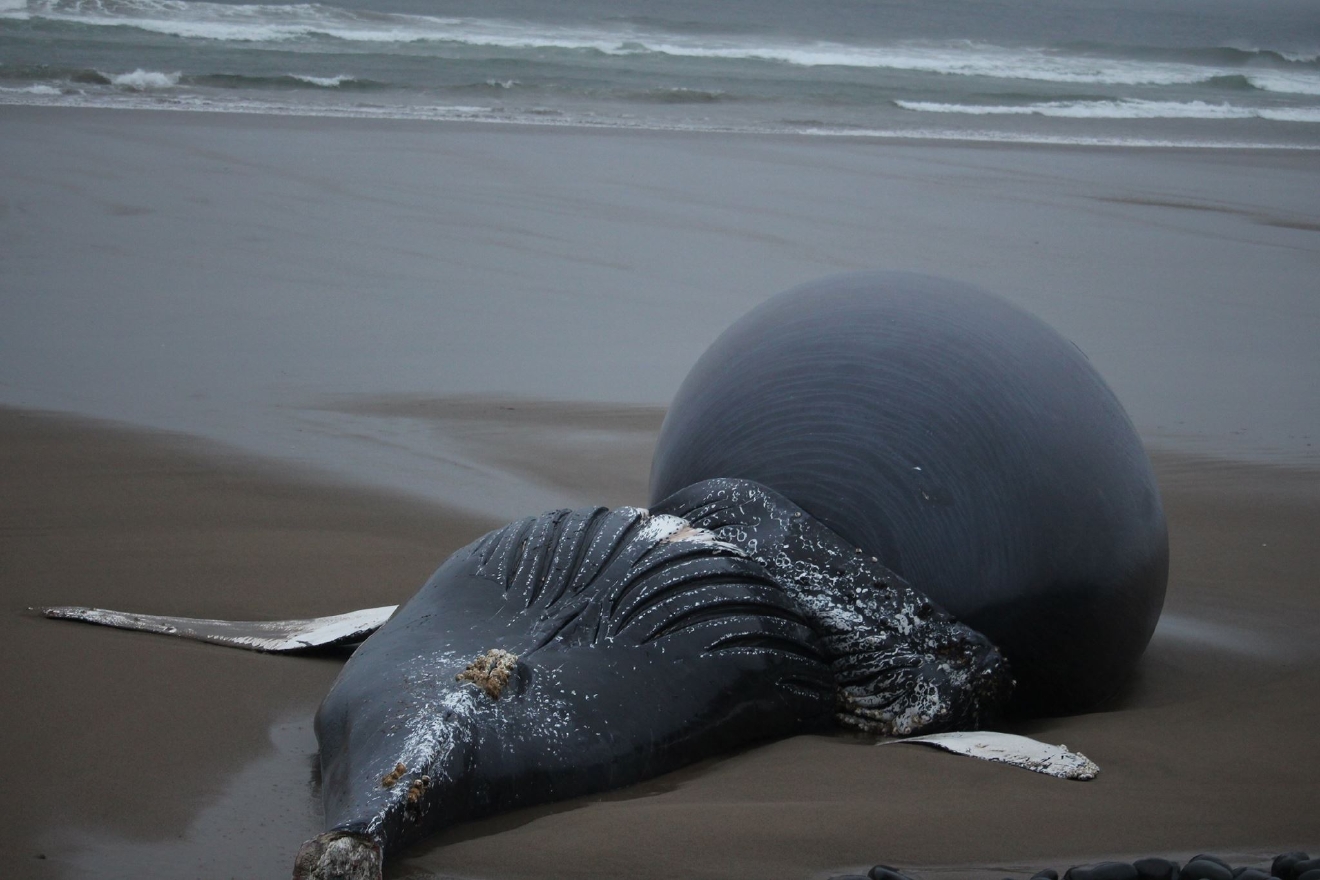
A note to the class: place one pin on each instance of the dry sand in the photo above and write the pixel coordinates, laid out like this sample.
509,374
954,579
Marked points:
131,755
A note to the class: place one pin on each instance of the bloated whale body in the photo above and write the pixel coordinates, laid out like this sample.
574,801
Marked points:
960,440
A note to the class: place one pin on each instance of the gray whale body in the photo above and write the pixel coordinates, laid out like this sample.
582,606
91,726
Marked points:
963,442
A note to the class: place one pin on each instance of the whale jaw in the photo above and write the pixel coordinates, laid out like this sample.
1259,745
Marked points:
338,855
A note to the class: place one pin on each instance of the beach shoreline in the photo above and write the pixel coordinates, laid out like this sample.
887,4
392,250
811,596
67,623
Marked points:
919,138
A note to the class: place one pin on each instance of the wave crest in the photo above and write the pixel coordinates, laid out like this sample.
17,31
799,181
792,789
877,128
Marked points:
34,89
325,82
1284,82
1121,109
143,80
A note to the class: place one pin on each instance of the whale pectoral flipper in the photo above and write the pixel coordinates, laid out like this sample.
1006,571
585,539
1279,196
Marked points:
1009,748
270,636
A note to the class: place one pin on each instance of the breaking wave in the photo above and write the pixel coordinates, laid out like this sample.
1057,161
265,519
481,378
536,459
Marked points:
1287,83
143,80
325,82
34,89
1127,109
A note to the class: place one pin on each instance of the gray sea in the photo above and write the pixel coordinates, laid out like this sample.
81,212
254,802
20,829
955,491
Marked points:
1147,72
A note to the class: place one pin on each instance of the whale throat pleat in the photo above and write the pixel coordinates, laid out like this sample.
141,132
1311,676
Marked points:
629,577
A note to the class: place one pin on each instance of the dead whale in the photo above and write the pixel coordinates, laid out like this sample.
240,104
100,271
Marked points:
583,650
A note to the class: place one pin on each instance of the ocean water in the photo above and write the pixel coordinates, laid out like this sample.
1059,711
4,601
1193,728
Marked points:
1152,72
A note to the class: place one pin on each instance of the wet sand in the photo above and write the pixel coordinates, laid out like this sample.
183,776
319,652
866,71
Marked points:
136,755
243,278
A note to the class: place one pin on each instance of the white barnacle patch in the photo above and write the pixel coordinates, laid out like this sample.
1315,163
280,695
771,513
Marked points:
430,735
667,529
692,534
1009,748
659,528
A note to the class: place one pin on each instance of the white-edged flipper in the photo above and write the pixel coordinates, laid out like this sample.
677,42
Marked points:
1009,748
273,636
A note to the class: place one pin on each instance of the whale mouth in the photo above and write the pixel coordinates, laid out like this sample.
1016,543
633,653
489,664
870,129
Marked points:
338,855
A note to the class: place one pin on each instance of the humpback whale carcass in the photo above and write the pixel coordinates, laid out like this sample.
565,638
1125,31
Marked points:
883,501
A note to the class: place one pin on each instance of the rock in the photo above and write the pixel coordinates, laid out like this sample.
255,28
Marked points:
1304,867
1283,864
1206,857
1250,874
1045,874
1313,874
885,872
1202,868
1156,869
1113,871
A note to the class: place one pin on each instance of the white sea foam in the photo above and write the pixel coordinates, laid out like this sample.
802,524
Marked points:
962,58
143,80
1070,140
127,100
1292,114
35,89
328,82
13,6
281,22
1132,109
1291,83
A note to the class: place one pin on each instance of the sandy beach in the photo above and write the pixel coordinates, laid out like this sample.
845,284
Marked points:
194,761
255,367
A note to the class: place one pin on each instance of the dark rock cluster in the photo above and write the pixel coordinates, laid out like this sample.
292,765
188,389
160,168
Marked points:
1289,866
